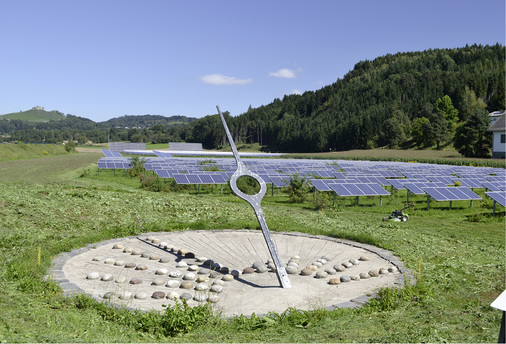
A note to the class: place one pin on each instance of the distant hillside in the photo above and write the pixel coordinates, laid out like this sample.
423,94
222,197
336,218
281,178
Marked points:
379,103
35,116
146,121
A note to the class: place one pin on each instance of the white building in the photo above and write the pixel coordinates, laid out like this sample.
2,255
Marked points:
498,128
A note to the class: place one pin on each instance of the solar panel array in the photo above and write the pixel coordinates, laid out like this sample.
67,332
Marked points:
345,178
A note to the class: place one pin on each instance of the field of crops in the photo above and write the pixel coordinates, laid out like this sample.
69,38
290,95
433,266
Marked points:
57,203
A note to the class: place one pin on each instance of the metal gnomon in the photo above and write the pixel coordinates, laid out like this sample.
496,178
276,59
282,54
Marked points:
254,201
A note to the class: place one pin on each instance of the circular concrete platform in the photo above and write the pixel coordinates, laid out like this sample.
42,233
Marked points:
148,271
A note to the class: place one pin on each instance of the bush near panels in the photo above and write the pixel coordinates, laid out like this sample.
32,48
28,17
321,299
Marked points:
137,166
298,189
153,183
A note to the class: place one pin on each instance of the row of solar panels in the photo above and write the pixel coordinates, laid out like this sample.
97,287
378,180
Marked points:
441,193
390,169
498,196
275,171
413,185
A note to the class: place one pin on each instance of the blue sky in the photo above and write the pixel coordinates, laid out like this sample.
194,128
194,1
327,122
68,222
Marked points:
101,59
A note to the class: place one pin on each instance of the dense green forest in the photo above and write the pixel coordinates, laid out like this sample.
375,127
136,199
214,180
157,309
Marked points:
405,100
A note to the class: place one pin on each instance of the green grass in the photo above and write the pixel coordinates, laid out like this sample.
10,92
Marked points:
19,151
62,203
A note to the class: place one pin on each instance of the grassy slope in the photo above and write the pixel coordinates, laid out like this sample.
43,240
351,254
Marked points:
460,262
10,151
34,116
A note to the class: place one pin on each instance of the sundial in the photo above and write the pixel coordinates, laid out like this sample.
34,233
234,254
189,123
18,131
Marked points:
254,201
234,270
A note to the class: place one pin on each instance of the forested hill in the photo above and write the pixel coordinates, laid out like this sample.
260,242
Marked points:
146,121
379,103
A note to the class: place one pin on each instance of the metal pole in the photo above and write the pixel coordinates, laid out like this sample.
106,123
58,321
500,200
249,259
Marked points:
254,201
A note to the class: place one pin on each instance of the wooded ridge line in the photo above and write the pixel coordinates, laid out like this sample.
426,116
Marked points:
404,100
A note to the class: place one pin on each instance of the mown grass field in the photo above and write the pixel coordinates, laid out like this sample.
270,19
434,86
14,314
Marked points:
54,204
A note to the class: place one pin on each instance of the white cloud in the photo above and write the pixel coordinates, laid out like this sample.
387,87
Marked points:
218,79
284,73
299,92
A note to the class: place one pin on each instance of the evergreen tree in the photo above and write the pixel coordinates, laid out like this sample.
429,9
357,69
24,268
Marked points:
472,138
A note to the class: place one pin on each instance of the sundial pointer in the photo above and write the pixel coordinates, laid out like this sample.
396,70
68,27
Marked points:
254,201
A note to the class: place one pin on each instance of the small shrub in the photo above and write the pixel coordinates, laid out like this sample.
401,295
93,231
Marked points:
322,200
137,166
298,189
182,318
70,146
153,183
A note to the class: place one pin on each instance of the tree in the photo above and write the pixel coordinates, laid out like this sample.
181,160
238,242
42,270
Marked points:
470,103
420,132
396,129
471,138
439,130
445,106
298,188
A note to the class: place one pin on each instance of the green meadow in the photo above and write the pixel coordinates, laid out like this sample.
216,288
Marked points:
56,202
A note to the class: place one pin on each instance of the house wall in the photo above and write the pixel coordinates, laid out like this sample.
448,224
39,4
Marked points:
498,148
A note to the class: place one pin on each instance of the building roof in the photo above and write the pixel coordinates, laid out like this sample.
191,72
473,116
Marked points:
499,125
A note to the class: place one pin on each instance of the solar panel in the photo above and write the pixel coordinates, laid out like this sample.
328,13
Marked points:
343,181
379,190
416,188
320,185
341,190
206,179
441,179
451,194
180,179
373,179
397,183
193,179
280,181
498,196
266,178
111,154
163,154
390,174
470,182
218,179
360,189
163,173
496,179
494,186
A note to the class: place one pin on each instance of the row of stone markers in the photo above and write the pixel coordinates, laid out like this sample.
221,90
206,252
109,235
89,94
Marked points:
204,280
314,268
